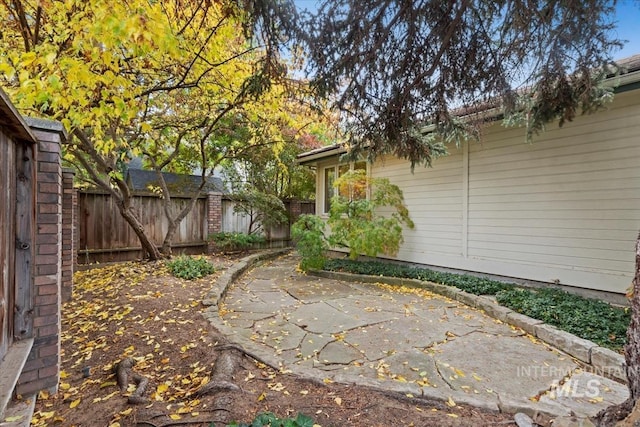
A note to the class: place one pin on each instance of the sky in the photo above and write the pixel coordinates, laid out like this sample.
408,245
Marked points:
627,16
628,27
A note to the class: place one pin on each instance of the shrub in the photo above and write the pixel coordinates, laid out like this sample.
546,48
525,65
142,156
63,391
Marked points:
232,241
467,283
186,267
587,318
357,221
269,419
308,232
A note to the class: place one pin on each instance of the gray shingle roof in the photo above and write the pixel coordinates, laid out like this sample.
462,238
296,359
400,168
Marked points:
142,180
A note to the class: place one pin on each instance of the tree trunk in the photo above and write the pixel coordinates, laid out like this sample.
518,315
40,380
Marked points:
147,245
168,238
609,416
174,222
120,192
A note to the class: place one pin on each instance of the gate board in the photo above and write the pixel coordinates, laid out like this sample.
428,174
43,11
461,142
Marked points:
7,245
24,240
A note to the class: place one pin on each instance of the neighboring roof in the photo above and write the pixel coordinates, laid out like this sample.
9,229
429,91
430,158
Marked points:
13,121
141,180
628,79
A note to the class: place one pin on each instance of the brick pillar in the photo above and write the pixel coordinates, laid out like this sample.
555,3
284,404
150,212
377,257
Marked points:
214,217
68,233
295,210
76,230
42,369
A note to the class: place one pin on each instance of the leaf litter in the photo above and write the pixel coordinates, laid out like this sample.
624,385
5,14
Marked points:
138,311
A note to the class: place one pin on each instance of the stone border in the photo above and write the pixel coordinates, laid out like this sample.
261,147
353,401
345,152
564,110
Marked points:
603,360
231,274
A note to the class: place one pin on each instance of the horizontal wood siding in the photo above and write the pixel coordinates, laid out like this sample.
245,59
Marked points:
570,201
565,208
434,199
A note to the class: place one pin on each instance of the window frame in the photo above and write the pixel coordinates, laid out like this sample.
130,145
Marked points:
338,169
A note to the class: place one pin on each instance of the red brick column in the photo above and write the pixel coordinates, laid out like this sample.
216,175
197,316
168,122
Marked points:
214,217
42,369
295,209
68,234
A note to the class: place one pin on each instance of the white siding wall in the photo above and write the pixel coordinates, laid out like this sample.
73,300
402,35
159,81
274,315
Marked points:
434,198
565,208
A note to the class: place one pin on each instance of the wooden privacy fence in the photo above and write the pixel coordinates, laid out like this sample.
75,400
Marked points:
234,222
104,236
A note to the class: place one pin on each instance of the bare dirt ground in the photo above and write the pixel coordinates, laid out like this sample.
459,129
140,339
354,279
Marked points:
138,312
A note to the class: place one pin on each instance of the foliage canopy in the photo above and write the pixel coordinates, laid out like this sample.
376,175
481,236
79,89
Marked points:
181,84
396,66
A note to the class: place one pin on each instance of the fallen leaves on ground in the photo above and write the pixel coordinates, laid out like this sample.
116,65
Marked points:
138,310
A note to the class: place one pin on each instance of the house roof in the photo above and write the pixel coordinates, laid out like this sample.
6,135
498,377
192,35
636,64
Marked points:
13,121
321,153
630,64
629,78
141,180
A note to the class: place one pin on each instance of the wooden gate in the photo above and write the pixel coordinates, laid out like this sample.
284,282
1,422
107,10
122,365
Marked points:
17,218
7,246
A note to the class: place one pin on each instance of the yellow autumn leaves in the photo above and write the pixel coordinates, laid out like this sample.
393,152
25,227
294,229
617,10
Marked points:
112,316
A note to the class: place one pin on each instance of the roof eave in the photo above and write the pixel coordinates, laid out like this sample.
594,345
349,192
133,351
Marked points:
312,157
14,121
621,83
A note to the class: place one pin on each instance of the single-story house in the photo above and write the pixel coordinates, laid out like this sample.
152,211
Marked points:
144,180
564,209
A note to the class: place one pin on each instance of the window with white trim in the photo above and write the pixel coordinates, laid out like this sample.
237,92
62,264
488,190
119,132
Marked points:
330,174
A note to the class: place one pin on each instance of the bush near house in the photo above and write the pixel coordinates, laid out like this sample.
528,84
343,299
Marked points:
587,318
308,233
355,221
233,241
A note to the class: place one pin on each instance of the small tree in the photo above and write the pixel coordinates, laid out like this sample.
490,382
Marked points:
264,210
365,225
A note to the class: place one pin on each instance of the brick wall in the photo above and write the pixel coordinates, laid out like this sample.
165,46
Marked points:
69,205
42,369
295,210
214,217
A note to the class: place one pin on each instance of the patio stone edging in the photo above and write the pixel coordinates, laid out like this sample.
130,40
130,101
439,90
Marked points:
217,294
603,360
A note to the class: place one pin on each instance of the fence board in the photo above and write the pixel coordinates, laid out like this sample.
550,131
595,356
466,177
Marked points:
105,236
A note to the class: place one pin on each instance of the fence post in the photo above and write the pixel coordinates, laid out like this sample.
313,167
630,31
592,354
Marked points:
68,233
214,217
